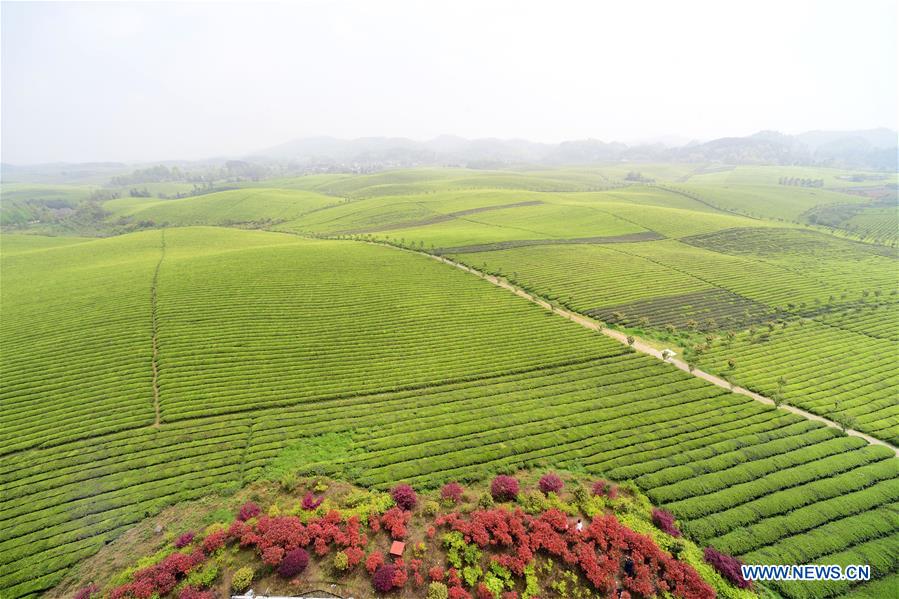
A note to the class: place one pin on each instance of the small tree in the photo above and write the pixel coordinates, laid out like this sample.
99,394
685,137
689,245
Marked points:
247,511
293,563
383,577
404,496
777,398
550,483
504,488
451,492
630,339
664,521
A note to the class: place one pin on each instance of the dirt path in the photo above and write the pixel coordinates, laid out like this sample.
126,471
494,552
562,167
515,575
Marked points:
155,329
642,347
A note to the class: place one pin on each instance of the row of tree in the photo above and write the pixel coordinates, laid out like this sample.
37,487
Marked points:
801,182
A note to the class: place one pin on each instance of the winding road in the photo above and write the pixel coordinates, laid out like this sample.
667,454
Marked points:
642,347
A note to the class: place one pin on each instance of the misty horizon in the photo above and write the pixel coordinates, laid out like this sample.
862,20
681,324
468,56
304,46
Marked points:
671,141
134,82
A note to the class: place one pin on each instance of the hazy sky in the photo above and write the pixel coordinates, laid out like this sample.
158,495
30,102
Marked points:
151,81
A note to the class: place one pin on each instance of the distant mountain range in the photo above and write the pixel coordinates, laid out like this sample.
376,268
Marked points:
873,148
870,149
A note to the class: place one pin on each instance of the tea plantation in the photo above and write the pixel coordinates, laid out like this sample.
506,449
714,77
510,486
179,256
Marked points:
195,355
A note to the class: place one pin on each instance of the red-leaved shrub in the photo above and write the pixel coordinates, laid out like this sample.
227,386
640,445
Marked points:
394,521
214,541
604,487
247,511
190,592
727,566
273,555
87,592
293,563
159,579
451,492
400,576
616,560
435,573
184,540
354,556
404,496
457,592
550,483
310,502
383,578
504,488
664,521
374,561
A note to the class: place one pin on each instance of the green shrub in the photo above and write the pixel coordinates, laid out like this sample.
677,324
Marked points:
531,585
533,502
341,561
471,575
242,578
437,590
431,508
203,576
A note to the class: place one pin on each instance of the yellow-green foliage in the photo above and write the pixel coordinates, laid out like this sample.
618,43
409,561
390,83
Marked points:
204,576
242,578
341,561
437,590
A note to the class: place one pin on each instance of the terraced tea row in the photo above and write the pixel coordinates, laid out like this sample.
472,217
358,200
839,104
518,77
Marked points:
440,218
585,277
611,415
320,319
278,353
505,245
246,320
876,319
700,310
830,371
454,219
233,207
92,356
